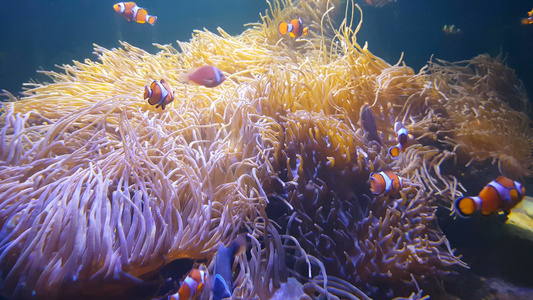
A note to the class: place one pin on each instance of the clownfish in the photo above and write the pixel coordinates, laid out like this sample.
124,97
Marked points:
131,11
295,28
159,94
385,182
403,137
223,278
529,20
192,286
501,194
208,76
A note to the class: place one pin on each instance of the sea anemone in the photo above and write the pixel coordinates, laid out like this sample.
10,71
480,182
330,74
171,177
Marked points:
99,188
487,107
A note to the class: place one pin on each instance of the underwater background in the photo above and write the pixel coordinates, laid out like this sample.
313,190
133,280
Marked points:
38,35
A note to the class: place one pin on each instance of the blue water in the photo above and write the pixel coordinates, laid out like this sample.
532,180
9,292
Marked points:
40,34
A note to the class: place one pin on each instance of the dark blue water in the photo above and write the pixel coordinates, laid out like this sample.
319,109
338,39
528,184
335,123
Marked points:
37,34
40,34
415,27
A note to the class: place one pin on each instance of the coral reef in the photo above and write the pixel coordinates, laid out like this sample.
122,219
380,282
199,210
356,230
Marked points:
99,188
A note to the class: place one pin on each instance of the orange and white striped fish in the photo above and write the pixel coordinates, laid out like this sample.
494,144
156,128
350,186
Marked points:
529,19
131,11
385,182
295,28
192,286
501,194
403,137
159,94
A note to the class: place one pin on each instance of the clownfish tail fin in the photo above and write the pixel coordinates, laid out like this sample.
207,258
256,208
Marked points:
147,92
283,27
464,207
151,20
394,151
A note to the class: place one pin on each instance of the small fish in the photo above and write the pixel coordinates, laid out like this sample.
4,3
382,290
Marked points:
403,137
208,76
451,29
501,194
368,122
529,20
223,279
192,286
295,28
131,11
159,94
385,182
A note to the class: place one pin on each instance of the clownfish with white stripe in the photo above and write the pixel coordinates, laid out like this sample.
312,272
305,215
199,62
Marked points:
192,286
403,137
501,194
385,182
208,76
295,28
159,94
131,11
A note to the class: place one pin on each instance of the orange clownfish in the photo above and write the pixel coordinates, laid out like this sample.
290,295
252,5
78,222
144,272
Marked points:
208,76
192,286
295,28
529,20
501,194
159,94
385,182
131,11
403,137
